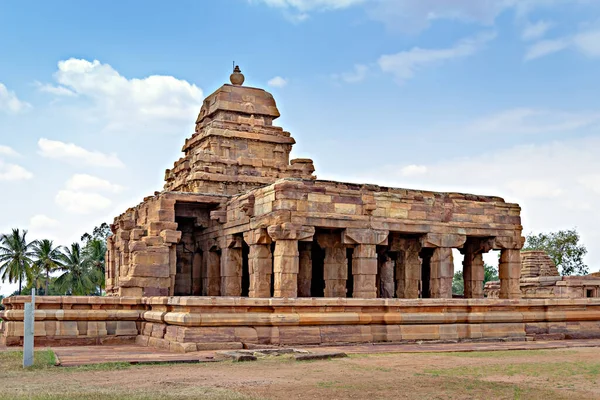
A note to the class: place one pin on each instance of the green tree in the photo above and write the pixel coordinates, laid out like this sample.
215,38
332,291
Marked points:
47,259
94,253
458,282
76,279
489,273
564,249
15,257
94,249
101,233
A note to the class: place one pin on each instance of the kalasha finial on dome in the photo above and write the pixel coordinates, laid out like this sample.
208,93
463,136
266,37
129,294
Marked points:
237,78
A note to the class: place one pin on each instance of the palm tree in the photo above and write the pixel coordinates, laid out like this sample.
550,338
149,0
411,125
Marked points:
76,278
15,256
48,259
94,253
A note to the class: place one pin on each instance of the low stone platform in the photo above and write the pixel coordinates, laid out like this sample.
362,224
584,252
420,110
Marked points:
85,355
191,324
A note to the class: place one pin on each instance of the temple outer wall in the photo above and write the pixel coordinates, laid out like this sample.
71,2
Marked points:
200,323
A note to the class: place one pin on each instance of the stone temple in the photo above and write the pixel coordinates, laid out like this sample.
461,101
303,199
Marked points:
245,247
237,217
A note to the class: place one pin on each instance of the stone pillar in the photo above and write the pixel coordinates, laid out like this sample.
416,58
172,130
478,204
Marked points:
442,264
364,271
259,262
335,265
364,259
473,271
386,277
197,275
286,263
510,274
473,275
211,282
408,267
231,266
286,266
305,273
442,272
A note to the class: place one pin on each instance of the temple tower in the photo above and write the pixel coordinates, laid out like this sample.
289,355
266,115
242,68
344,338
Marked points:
235,147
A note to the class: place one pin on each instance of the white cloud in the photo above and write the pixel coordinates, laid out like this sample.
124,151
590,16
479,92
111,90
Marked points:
405,64
357,75
586,42
41,222
310,5
533,121
123,104
55,90
532,188
546,47
278,82
13,172
79,182
10,103
536,30
591,182
81,202
8,151
416,15
412,170
68,151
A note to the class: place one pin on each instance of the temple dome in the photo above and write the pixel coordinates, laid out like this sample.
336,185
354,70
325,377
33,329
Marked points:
239,99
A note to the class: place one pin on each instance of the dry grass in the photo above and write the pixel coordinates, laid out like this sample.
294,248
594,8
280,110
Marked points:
543,375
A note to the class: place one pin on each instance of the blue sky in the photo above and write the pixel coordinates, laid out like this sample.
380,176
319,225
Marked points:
486,96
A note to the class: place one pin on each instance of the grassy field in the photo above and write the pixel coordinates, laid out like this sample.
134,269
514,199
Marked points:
544,375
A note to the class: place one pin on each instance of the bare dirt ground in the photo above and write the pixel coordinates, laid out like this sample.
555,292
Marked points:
537,374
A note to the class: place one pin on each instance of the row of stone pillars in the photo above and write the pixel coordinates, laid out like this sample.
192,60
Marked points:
289,268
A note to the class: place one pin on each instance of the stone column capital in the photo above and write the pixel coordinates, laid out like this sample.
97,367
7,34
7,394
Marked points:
230,242
328,240
443,240
508,243
257,236
475,246
289,231
365,236
210,245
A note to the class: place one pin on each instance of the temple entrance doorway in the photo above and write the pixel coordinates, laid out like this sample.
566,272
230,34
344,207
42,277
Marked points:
317,285
184,274
425,288
350,280
245,270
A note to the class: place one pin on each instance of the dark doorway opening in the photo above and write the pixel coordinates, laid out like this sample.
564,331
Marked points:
245,270
425,292
589,293
317,285
184,273
272,269
350,280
